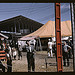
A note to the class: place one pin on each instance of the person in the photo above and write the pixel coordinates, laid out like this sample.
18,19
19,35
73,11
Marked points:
14,53
19,52
9,60
70,51
30,56
66,53
50,48
10,52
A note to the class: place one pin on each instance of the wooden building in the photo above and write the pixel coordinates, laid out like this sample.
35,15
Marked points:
19,24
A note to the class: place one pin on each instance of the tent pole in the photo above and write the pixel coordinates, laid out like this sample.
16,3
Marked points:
37,45
40,44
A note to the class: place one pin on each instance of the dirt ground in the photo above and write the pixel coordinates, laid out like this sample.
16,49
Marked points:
40,66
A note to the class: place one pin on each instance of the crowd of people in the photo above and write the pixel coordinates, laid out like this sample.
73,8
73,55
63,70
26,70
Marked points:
11,53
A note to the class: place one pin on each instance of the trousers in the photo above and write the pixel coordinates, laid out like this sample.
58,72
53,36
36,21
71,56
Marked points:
31,62
66,56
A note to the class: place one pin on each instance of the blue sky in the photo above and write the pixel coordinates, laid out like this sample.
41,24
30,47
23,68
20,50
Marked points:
40,12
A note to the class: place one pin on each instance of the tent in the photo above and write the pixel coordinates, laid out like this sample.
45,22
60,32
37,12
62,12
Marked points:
48,30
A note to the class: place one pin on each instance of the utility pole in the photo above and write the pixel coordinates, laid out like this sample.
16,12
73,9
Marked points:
72,7
58,37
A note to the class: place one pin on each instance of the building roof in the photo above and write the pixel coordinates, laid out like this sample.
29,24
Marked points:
7,24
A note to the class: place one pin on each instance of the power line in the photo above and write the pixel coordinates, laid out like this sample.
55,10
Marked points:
25,9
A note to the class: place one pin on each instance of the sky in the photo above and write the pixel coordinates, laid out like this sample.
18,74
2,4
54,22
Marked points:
40,12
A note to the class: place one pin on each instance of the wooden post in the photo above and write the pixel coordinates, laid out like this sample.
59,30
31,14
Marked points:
58,37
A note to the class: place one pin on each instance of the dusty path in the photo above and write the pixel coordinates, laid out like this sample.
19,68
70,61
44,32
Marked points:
21,65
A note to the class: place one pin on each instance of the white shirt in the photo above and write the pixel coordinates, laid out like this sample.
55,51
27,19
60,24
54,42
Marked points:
50,45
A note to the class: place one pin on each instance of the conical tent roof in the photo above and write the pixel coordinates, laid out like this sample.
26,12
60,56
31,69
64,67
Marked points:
48,30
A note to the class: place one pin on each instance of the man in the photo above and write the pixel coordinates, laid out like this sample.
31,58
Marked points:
19,52
30,56
9,48
66,53
50,48
70,51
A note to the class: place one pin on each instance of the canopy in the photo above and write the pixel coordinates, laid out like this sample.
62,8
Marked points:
48,30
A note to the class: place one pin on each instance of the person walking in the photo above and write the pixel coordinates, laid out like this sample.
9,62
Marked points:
30,56
50,48
66,53
19,52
